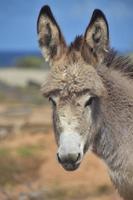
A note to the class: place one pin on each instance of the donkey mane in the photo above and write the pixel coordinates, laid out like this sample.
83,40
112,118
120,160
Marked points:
119,62
112,59
76,44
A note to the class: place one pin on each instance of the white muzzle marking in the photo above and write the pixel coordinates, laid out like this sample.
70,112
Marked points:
70,143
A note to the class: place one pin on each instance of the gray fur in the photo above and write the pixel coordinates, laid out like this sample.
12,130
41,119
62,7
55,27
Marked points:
88,68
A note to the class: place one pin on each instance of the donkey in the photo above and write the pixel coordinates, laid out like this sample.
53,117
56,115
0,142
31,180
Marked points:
90,89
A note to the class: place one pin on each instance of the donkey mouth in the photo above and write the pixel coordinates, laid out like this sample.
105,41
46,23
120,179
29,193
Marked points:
71,162
70,166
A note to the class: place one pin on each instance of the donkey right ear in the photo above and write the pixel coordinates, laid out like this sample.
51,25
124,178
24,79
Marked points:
96,38
51,40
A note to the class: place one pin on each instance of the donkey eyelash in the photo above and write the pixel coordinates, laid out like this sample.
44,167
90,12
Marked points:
89,101
52,100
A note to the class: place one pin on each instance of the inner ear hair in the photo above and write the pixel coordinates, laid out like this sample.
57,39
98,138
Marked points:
51,39
98,16
97,35
46,12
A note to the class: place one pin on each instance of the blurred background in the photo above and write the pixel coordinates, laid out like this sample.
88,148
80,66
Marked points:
28,166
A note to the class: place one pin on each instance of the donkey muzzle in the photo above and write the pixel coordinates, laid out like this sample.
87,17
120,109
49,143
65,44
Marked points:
70,153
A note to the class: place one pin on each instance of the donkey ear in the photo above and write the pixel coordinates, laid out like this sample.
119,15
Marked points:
50,40
97,35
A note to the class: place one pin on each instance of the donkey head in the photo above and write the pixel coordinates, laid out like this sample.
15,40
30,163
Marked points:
73,86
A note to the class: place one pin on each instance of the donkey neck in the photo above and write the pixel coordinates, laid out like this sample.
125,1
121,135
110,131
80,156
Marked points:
115,135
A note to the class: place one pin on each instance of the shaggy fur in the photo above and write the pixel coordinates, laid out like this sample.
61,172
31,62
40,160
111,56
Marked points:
89,66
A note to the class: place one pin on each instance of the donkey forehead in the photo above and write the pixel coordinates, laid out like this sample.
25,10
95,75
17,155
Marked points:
74,73
73,78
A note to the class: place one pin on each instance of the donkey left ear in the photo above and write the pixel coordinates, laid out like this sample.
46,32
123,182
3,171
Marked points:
50,38
97,35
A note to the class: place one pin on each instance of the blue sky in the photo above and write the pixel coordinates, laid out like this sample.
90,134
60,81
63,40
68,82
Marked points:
18,21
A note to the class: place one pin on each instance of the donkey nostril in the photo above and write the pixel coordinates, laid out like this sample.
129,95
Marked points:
79,156
58,157
73,158
69,158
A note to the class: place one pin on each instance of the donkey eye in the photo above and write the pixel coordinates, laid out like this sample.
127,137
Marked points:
52,101
89,101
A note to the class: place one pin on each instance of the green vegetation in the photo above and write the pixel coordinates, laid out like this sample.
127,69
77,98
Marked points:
32,62
19,165
4,152
131,56
28,151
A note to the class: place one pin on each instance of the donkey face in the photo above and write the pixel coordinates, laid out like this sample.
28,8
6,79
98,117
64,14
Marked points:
73,86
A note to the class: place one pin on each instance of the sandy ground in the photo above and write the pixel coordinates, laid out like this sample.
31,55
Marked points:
19,77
